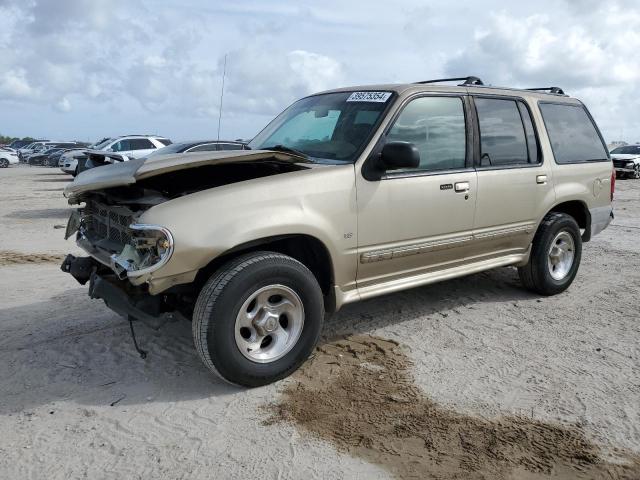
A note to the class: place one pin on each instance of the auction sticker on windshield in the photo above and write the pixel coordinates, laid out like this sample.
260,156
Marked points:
369,97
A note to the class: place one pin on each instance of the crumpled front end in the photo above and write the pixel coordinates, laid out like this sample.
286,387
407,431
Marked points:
111,235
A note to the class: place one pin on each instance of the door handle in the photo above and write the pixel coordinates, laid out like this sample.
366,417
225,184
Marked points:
462,187
541,179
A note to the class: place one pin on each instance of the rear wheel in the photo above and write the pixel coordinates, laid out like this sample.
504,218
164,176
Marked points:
555,255
258,318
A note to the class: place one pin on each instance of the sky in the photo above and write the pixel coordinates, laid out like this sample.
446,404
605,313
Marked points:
86,69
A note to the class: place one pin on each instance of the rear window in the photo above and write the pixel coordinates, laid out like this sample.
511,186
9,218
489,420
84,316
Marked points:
572,134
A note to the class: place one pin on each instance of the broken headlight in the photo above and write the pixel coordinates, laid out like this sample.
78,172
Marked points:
151,247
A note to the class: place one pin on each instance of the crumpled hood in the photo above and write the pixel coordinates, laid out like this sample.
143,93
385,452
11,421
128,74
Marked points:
127,173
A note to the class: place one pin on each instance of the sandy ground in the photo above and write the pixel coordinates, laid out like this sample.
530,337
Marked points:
472,378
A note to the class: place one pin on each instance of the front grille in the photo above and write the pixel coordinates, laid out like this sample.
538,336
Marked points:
107,225
620,163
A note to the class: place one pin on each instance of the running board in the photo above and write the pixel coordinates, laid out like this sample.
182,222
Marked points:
404,283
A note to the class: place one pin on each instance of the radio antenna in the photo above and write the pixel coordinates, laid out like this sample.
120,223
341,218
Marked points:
224,73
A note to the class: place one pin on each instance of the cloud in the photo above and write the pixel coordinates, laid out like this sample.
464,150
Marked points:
63,105
590,49
131,61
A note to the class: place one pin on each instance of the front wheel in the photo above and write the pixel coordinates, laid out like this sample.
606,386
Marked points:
258,318
555,255
4,163
636,172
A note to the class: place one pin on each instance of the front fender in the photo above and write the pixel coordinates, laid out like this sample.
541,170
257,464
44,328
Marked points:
319,202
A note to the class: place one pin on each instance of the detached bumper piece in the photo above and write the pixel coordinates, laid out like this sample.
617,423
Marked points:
133,303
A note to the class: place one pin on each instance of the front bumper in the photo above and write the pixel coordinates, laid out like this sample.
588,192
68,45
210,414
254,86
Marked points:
118,295
624,170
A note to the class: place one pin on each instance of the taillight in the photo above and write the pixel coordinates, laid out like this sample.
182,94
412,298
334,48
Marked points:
613,182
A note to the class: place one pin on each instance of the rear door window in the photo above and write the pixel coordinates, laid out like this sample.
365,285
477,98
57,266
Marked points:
503,140
140,144
573,135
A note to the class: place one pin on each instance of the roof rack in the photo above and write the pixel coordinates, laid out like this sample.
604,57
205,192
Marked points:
554,90
470,80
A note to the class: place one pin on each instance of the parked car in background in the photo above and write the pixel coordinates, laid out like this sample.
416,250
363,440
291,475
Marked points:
43,147
17,144
8,156
198,146
626,161
53,158
31,148
347,195
43,157
122,148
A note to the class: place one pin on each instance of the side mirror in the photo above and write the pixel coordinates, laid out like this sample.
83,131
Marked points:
398,155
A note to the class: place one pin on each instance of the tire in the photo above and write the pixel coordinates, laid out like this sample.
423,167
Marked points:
4,163
541,275
237,292
636,172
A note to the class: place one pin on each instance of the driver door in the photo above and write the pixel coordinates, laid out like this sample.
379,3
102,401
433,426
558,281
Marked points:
415,222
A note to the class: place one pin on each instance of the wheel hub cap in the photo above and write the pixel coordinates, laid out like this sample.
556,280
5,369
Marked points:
269,323
561,255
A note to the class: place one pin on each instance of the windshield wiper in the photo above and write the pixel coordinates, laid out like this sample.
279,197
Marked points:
282,148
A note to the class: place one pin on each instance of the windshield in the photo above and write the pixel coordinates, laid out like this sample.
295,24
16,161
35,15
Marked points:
102,144
627,150
331,126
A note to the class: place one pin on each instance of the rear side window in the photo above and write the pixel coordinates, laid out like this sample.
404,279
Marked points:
506,133
140,144
572,134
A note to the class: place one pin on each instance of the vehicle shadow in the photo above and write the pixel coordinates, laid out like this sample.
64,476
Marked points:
65,179
498,285
40,213
71,347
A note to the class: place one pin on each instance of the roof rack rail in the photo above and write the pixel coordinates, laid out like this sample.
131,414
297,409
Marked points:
470,80
554,90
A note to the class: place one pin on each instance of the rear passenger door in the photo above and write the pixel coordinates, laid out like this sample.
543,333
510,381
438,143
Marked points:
514,183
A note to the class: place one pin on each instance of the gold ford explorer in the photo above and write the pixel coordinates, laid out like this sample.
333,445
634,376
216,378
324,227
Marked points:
346,195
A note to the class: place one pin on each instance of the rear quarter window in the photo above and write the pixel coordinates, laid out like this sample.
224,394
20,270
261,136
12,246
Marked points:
573,135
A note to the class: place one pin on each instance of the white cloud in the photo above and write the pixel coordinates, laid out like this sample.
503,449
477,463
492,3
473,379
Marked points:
63,105
15,86
590,49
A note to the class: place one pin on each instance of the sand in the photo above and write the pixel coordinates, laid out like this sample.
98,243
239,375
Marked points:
488,380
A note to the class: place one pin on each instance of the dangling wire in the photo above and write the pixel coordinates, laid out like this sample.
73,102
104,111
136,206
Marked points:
143,354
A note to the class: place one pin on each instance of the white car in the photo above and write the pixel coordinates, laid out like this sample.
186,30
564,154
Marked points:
8,156
127,147
626,161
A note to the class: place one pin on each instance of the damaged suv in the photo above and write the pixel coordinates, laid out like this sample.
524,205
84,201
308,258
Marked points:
346,195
